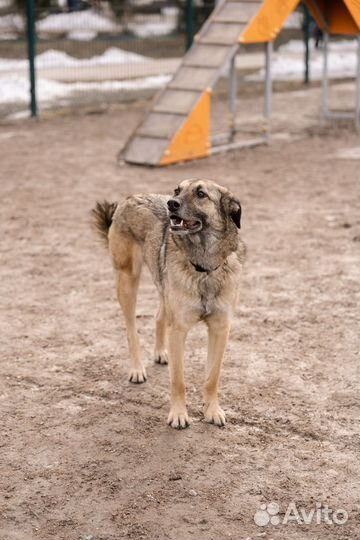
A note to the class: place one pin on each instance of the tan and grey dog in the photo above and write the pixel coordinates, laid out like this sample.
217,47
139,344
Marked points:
191,245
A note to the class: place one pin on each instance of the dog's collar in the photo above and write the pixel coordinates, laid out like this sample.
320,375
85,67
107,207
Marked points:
199,268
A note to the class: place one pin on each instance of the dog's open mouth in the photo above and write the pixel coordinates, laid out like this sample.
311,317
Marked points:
178,224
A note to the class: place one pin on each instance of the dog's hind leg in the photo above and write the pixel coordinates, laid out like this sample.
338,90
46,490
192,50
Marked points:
160,354
127,260
218,330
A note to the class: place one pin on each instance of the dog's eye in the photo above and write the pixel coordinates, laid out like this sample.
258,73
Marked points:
201,194
177,192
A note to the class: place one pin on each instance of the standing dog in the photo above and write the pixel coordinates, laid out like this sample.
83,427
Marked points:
191,245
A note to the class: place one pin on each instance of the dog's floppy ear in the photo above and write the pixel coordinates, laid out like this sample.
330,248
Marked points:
235,212
232,208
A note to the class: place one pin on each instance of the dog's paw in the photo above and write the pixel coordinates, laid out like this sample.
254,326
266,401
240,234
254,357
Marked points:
161,358
137,376
178,418
215,415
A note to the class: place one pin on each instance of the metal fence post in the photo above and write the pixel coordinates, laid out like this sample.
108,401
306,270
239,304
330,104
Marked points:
325,79
268,87
306,41
189,18
232,96
31,39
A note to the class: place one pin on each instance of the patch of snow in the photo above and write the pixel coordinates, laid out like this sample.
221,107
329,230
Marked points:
58,59
288,64
340,65
113,55
293,46
82,35
78,20
152,28
170,11
7,65
52,57
297,46
343,45
11,22
14,89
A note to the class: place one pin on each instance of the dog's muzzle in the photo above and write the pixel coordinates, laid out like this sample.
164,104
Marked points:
178,223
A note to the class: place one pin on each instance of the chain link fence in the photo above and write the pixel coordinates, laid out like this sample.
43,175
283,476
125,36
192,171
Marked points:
90,51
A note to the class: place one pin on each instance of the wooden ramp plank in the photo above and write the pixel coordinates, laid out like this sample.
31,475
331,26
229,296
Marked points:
212,56
193,78
175,101
222,33
146,150
161,125
236,12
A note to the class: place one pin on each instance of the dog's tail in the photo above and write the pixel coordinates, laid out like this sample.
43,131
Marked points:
102,216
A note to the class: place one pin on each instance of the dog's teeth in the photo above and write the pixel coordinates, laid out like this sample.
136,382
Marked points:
181,223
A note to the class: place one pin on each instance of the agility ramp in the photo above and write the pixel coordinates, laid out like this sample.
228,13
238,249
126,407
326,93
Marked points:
177,127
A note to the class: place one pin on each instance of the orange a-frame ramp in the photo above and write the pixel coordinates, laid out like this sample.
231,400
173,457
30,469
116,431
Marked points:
177,126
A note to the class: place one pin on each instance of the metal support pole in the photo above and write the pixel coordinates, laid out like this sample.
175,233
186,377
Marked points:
232,96
268,87
325,79
31,39
357,89
306,42
189,18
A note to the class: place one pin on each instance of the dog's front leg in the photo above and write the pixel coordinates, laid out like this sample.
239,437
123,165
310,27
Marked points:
218,330
178,417
160,354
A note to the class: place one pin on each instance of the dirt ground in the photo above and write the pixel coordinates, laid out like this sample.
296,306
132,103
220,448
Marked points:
84,455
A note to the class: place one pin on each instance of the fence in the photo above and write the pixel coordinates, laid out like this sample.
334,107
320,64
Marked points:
87,52
102,51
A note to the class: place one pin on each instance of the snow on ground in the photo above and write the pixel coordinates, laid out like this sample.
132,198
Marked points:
9,23
76,21
79,25
150,29
85,25
288,62
58,59
82,35
297,46
14,89
151,25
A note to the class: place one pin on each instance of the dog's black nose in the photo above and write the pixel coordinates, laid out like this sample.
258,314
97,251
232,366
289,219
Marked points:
173,205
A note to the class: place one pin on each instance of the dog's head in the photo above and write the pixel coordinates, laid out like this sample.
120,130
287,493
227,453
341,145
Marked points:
198,205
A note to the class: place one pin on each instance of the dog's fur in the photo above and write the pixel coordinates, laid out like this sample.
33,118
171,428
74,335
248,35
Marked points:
195,265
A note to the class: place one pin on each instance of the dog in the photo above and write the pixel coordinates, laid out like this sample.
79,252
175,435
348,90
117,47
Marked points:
191,245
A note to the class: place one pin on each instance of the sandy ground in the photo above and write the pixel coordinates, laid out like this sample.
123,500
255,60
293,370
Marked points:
85,454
